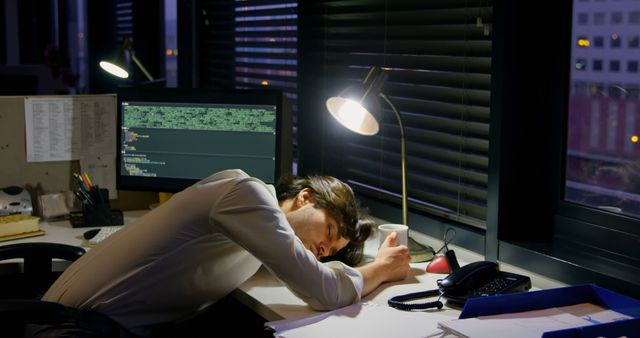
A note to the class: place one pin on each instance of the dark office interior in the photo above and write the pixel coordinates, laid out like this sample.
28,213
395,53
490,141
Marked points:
486,90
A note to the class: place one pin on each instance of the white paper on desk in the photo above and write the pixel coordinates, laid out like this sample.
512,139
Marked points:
366,320
528,324
63,128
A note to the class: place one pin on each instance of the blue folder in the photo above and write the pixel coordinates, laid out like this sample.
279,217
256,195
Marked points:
543,299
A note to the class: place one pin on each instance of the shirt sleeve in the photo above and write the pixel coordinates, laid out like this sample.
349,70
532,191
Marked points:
250,216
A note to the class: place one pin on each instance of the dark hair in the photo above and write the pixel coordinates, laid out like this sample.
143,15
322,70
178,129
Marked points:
338,199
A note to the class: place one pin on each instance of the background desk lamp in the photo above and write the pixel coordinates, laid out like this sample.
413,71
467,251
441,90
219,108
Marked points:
358,109
118,65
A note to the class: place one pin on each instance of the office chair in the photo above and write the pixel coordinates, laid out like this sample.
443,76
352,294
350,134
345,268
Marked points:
21,289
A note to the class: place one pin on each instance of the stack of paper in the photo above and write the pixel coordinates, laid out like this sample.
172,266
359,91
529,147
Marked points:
531,323
366,320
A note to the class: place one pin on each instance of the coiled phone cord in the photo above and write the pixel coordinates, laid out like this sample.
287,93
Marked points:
400,302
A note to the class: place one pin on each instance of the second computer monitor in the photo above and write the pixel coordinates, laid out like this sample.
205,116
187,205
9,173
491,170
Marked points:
170,138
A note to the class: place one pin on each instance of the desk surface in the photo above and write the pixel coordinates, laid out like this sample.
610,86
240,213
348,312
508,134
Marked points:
272,300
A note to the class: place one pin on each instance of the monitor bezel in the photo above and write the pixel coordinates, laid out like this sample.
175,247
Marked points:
200,96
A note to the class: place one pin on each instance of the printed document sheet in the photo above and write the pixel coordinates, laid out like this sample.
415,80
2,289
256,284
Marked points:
530,324
366,320
62,128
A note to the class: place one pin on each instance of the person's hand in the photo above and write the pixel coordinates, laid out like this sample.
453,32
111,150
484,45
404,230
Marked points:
391,264
394,259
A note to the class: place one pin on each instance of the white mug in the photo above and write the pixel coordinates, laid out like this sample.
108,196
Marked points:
402,230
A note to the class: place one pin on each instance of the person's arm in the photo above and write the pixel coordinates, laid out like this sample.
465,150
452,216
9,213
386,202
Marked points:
391,264
250,216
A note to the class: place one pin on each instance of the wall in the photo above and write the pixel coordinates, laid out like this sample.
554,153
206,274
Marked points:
44,177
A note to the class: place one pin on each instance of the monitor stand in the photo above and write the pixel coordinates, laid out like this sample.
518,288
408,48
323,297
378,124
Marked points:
162,197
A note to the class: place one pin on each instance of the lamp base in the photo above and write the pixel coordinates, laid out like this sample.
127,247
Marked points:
419,252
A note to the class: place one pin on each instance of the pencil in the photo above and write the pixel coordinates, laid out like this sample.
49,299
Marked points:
80,182
86,176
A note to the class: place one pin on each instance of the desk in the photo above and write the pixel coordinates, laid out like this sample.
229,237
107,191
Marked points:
62,232
273,301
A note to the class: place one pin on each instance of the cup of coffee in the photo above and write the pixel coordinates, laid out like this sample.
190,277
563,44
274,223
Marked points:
402,230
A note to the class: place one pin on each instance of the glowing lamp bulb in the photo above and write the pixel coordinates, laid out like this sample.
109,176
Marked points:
352,114
114,70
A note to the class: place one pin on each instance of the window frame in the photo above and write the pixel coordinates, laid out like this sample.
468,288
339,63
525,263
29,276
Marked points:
579,244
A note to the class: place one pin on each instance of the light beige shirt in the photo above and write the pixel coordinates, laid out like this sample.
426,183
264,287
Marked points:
195,249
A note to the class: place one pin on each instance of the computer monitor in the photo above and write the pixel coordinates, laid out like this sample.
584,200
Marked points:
170,138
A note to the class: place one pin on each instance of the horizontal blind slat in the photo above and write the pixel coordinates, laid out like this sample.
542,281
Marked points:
438,56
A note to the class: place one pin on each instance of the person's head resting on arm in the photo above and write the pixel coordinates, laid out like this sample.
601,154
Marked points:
326,216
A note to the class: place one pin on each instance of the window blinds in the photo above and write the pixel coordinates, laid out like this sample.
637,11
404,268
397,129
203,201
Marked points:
439,58
249,44
123,20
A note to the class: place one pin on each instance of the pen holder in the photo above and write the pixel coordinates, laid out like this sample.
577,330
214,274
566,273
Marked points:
98,213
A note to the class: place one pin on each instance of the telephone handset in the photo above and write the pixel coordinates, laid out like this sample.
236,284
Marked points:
480,279
476,279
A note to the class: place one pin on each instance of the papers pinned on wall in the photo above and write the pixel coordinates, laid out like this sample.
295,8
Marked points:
68,128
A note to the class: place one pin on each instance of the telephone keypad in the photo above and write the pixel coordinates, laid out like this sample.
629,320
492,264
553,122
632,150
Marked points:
495,286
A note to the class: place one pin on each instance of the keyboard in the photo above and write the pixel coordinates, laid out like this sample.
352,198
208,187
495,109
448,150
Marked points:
104,233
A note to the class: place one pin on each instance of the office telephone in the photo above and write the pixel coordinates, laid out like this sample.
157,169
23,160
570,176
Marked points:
478,279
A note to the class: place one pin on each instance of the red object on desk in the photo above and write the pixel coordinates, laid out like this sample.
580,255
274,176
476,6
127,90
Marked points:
439,264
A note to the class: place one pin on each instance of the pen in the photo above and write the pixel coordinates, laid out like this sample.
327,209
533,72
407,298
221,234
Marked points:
77,193
85,182
80,182
83,197
88,197
88,180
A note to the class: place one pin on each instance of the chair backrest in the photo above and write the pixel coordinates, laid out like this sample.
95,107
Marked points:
37,272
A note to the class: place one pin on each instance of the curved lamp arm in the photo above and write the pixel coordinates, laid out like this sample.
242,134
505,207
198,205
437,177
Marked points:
128,45
403,157
139,64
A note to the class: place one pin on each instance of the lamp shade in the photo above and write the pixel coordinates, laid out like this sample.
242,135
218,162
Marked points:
114,68
353,115
119,65
358,106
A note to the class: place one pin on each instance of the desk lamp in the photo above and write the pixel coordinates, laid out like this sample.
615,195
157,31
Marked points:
358,109
117,66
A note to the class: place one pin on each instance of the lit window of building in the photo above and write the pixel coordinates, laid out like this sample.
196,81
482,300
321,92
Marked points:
581,64
615,41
